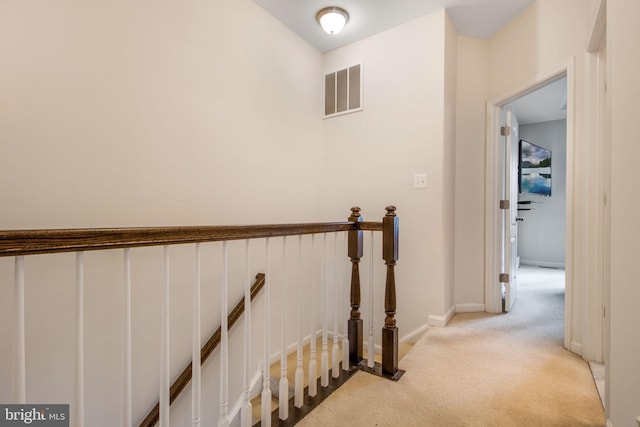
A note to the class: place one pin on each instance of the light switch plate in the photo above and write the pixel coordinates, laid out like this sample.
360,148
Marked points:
420,180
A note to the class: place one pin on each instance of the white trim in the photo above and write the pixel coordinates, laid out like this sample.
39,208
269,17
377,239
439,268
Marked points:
492,288
473,307
255,391
442,320
595,219
415,335
539,263
492,224
576,347
291,348
610,424
570,185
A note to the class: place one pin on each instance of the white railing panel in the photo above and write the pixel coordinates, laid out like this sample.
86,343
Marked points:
345,306
246,412
127,394
223,421
299,378
20,369
196,372
283,395
313,364
79,374
165,381
335,350
324,308
266,376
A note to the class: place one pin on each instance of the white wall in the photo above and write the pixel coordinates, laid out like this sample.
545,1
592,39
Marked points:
371,156
472,94
541,236
116,113
623,62
449,167
140,114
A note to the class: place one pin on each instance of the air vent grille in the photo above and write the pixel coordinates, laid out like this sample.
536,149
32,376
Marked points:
343,91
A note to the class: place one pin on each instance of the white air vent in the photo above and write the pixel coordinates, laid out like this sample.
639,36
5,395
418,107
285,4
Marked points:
343,91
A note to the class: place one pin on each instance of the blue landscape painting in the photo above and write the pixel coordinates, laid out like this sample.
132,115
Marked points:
535,169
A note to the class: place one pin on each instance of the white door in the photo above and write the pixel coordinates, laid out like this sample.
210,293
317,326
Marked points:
510,210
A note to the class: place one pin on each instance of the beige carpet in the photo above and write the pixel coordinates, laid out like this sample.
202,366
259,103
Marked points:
480,370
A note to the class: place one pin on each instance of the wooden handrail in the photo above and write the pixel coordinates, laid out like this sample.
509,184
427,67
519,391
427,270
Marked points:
29,242
207,349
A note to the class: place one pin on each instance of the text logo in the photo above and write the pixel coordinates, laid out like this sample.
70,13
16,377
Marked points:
34,415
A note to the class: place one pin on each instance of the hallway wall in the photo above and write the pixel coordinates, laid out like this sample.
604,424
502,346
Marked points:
405,128
623,61
472,94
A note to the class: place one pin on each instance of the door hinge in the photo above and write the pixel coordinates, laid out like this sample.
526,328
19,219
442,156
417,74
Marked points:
504,204
504,278
505,131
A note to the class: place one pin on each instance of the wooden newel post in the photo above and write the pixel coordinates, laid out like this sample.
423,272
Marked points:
355,321
390,256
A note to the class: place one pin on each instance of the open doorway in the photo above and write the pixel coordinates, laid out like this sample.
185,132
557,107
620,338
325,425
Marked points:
498,229
539,181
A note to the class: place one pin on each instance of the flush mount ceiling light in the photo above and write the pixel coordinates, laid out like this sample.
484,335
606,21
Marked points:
332,19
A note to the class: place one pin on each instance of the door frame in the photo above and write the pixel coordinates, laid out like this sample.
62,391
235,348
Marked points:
493,177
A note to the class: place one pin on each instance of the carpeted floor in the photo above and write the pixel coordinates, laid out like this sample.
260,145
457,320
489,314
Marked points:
480,370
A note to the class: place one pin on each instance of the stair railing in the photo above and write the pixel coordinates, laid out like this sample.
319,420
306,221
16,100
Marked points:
21,243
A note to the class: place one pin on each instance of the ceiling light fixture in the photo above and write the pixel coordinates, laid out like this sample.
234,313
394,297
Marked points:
332,19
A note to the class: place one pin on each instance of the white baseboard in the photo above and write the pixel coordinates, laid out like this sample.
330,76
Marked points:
276,356
470,308
415,335
256,388
576,347
442,320
377,348
538,263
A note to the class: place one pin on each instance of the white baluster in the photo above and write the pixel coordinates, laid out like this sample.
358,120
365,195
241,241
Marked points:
313,364
164,344
223,421
371,349
127,396
299,384
245,414
266,376
20,378
79,388
335,355
283,407
345,304
196,361
324,357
